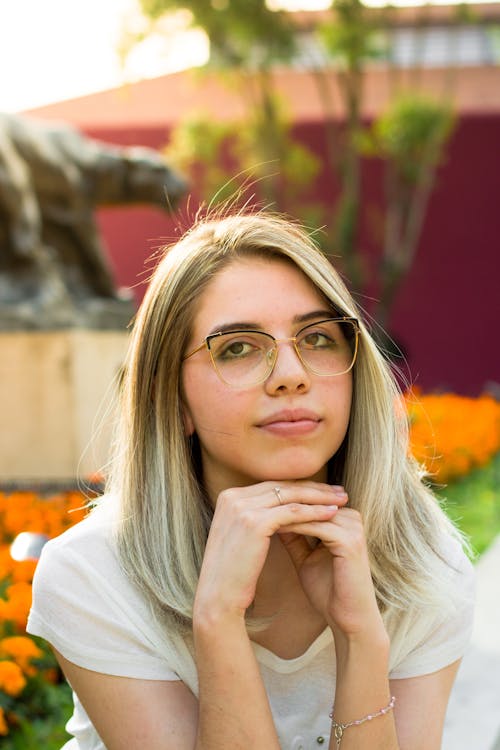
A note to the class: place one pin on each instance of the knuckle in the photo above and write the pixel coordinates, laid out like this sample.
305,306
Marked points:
226,496
355,514
247,518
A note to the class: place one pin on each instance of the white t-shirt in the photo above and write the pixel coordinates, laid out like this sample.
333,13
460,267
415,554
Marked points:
86,608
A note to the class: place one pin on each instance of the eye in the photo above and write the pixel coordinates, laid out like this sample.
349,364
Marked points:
317,340
230,348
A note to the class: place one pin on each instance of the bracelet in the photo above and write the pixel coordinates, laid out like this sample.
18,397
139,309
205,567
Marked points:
339,729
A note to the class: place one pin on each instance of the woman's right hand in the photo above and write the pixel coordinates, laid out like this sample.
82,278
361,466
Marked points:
244,521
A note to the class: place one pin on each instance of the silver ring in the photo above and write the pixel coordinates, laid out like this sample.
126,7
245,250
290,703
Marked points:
277,492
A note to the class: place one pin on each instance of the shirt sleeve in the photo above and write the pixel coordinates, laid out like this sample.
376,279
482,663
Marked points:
428,642
84,606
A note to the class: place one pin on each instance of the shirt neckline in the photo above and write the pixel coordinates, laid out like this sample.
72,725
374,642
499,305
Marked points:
275,662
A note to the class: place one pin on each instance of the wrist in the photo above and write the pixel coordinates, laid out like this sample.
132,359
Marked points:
370,645
210,617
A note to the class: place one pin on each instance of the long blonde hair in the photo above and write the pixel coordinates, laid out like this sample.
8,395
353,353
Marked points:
165,517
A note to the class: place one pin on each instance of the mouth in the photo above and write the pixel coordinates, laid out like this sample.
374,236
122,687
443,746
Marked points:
291,422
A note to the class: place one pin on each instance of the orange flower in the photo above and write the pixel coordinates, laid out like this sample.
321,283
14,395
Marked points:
26,511
453,434
4,729
22,650
23,571
15,608
12,680
7,564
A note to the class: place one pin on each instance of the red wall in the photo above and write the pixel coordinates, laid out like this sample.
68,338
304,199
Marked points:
447,313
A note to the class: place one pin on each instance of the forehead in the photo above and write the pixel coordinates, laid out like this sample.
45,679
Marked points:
257,290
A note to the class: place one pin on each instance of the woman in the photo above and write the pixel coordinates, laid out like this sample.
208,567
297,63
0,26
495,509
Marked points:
267,569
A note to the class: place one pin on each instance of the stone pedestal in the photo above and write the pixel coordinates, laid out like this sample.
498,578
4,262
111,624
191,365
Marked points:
57,391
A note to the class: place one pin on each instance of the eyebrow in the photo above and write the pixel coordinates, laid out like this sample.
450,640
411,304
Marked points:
248,325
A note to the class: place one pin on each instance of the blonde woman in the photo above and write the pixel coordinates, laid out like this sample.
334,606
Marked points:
267,569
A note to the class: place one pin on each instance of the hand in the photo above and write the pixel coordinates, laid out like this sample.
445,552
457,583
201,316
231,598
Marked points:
336,574
244,521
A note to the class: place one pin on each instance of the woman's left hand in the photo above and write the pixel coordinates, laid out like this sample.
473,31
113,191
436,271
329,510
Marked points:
336,574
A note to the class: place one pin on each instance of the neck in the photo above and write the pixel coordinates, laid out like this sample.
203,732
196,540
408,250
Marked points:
278,584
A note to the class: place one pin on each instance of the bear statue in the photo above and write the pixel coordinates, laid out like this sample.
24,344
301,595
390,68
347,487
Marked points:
53,266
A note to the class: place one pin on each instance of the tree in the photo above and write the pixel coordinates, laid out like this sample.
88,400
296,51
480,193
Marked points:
247,39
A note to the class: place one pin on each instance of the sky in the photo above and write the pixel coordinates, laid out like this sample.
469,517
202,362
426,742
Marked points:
51,50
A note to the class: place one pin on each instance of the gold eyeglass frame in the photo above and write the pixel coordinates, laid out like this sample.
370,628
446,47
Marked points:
274,350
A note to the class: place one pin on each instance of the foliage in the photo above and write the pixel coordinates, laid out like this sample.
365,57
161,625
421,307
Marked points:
412,132
350,35
260,149
410,136
473,502
210,151
239,30
31,687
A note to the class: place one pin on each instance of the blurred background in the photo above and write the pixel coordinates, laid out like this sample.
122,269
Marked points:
380,125
377,126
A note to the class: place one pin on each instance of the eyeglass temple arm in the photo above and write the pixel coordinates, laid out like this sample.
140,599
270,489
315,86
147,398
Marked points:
198,348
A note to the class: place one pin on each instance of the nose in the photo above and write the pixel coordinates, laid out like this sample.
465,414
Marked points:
288,373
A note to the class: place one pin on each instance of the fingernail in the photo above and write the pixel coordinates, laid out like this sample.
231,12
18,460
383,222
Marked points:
332,507
339,490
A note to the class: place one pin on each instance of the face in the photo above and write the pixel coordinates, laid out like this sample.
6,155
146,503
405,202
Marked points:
285,428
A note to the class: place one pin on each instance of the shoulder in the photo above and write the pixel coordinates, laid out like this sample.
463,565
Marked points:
427,638
82,565
85,605
97,528
458,573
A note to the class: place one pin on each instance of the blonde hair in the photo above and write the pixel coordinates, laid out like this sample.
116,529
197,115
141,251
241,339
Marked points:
165,516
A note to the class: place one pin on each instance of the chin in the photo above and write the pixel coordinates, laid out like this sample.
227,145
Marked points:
298,470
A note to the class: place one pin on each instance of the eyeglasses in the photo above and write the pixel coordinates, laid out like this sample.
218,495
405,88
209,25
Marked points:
245,358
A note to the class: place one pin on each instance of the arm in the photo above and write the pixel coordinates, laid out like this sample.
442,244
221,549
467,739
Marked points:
419,712
421,708
233,711
234,707
336,577
133,714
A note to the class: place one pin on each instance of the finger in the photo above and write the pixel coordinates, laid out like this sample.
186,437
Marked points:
324,529
265,493
288,517
297,547
305,484
289,493
343,531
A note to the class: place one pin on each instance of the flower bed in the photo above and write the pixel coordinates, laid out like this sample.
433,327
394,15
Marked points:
29,676
453,435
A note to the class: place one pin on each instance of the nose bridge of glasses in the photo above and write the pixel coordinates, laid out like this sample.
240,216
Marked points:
272,352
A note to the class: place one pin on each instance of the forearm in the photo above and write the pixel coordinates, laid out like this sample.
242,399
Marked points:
362,689
234,711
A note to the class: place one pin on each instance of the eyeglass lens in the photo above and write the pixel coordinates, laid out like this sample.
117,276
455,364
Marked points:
247,357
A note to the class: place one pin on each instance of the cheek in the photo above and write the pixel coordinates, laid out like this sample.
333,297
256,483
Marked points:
341,401
208,405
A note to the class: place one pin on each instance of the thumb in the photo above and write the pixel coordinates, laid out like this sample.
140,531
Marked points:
297,547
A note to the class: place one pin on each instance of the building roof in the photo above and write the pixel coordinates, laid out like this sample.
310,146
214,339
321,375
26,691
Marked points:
165,100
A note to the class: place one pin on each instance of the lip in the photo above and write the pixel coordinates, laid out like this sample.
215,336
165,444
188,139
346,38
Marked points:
291,422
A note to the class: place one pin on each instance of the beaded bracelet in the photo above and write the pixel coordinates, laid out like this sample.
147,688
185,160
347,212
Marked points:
339,729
